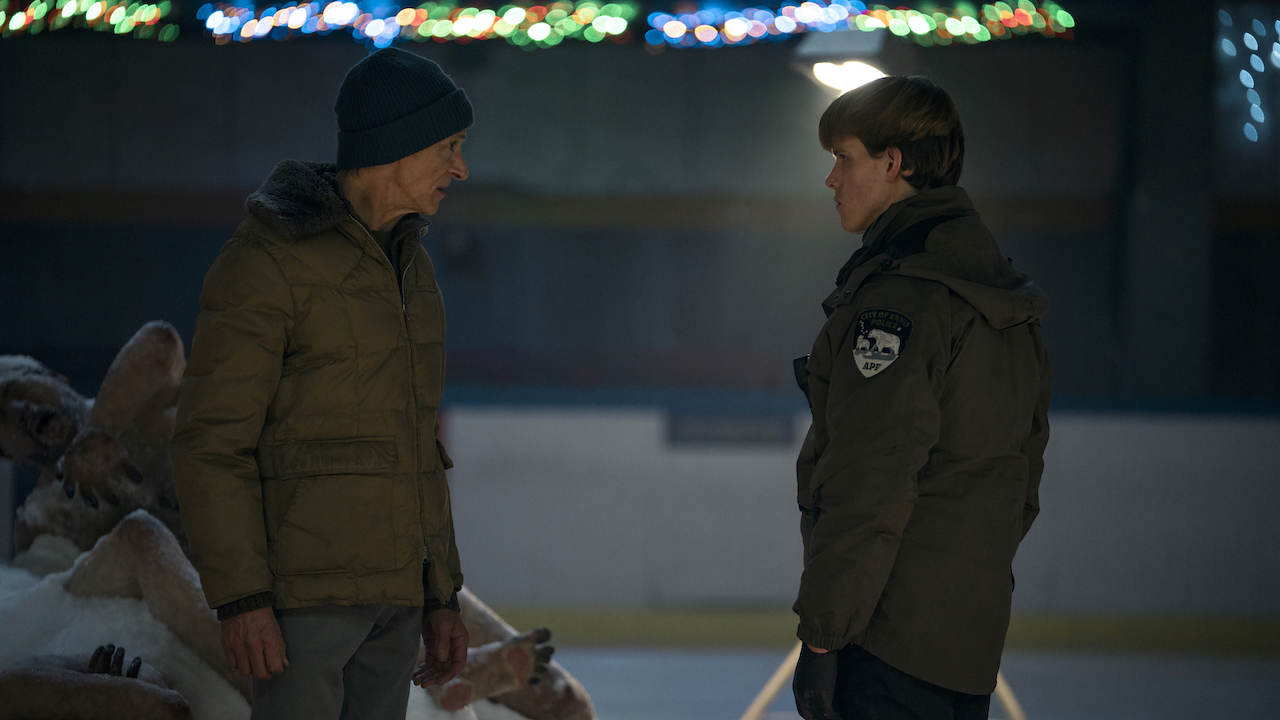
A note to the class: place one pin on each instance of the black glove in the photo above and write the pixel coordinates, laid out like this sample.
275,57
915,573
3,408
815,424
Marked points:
815,684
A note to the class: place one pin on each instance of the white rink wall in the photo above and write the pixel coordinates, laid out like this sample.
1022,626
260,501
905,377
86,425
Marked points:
582,506
589,506
1164,514
593,507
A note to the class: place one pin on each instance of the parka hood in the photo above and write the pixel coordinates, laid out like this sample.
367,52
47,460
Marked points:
937,235
299,199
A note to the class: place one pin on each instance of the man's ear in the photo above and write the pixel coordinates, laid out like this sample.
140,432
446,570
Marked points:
895,169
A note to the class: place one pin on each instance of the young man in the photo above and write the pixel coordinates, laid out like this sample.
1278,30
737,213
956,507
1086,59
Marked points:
929,386
310,480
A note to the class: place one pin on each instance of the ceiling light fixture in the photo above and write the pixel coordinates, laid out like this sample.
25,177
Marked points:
847,75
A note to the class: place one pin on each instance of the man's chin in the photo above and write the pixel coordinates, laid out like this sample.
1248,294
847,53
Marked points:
848,225
856,226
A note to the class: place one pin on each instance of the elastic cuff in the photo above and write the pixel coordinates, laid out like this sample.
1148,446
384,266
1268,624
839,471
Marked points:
820,640
432,604
245,604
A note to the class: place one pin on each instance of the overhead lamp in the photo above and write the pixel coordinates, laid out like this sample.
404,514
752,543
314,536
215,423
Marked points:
845,76
843,59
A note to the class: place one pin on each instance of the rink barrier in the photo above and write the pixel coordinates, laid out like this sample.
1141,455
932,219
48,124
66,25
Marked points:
775,629
774,686
1004,693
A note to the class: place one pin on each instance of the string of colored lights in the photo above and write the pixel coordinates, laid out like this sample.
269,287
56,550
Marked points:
964,23
544,26
539,26
122,17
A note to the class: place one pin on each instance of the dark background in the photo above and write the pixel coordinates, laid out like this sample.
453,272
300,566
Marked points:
637,225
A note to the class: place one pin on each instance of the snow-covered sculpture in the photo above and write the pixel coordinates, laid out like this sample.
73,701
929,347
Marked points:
99,459
102,528
138,587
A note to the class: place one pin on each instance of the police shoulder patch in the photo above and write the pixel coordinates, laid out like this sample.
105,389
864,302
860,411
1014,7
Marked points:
880,338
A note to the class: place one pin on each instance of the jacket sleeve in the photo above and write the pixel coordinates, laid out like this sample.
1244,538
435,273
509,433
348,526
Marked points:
448,583
881,430
435,586
246,311
1038,440
804,473
451,538
455,563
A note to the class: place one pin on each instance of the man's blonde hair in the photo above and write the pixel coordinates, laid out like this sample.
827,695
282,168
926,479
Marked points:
912,114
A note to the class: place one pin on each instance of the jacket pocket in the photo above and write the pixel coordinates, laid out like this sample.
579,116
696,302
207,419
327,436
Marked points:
336,524
330,508
334,457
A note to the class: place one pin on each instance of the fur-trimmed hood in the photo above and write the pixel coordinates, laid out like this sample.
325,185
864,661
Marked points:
299,199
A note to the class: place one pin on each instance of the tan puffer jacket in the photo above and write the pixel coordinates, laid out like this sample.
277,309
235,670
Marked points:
305,452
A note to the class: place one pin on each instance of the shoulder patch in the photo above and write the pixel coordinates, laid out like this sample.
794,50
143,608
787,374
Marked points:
881,336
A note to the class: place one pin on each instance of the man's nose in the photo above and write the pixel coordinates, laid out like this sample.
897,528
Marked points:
831,180
459,167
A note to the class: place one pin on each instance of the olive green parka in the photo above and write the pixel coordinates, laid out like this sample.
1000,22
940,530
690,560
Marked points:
305,452
929,386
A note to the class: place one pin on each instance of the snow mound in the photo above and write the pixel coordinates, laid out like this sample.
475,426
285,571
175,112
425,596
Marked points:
40,617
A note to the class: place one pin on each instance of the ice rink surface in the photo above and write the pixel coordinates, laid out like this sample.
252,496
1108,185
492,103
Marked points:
651,684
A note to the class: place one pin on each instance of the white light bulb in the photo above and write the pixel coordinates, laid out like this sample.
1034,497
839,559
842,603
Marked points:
846,76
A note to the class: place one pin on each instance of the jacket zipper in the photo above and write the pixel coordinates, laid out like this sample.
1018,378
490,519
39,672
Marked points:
413,413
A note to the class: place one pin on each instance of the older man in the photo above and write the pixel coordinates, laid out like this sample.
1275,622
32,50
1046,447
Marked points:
310,479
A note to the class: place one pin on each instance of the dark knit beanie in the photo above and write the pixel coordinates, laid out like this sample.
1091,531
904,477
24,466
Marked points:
394,103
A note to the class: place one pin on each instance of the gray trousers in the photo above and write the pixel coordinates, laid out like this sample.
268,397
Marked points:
353,663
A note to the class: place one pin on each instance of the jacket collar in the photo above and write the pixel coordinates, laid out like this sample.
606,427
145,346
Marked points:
304,198
943,202
299,199
937,235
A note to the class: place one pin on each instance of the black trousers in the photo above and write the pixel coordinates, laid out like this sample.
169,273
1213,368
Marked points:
867,688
